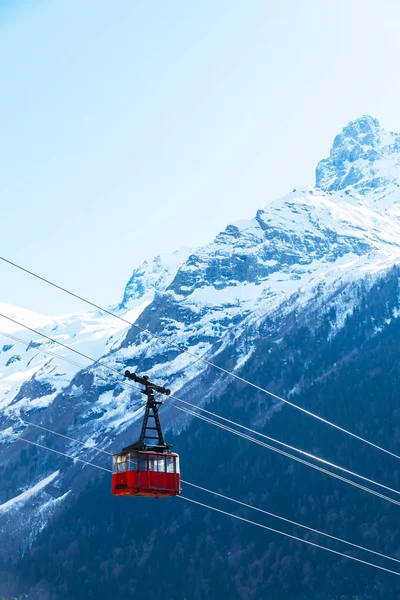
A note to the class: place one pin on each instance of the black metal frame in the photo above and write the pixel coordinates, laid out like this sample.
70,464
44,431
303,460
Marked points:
151,412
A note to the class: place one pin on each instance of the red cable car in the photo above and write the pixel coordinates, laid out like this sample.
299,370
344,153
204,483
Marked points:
147,470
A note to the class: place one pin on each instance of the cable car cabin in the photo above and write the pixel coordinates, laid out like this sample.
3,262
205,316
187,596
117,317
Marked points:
146,473
142,469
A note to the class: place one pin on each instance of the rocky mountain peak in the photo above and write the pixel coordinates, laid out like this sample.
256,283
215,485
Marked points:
364,125
364,157
153,276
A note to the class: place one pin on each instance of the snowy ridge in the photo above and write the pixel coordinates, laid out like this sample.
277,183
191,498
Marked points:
153,276
30,379
27,317
20,364
28,494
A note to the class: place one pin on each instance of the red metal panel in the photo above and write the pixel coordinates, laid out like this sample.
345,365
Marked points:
155,485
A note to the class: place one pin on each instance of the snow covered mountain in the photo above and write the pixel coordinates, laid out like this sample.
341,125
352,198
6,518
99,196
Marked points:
302,256
31,372
364,157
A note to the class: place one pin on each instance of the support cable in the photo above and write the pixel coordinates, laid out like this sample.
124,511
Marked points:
67,437
200,358
270,514
293,537
296,458
254,440
20,439
93,360
237,502
288,446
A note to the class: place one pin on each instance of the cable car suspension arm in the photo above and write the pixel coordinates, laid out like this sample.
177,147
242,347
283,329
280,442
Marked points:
151,412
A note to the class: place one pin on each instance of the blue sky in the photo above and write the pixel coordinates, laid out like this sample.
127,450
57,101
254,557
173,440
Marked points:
130,129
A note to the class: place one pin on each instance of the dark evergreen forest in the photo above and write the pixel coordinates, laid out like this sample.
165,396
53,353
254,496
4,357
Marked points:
102,547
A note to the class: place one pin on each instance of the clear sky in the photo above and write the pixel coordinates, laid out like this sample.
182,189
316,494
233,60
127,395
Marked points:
132,128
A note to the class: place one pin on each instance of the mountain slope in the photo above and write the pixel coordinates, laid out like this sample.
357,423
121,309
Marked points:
183,551
278,299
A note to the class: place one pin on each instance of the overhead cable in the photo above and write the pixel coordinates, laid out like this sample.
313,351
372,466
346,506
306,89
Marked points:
201,358
97,362
254,440
74,458
288,446
291,456
20,439
67,437
270,514
293,537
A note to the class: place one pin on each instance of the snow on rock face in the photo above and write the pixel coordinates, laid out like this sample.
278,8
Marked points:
28,494
41,505
31,374
285,237
153,276
198,298
299,247
311,247
27,317
363,157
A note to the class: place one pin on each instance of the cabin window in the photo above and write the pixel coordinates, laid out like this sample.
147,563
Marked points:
170,465
121,464
157,464
177,464
133,463
160,464
142,463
